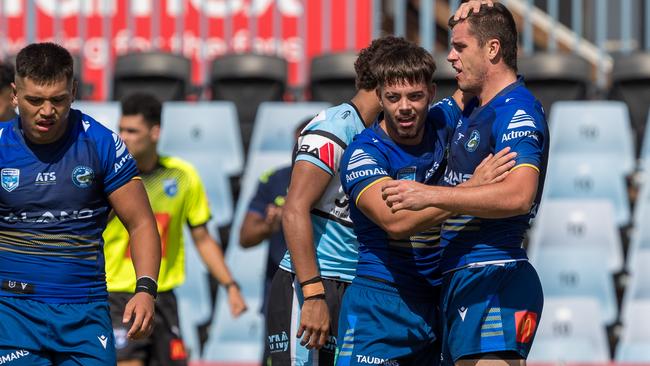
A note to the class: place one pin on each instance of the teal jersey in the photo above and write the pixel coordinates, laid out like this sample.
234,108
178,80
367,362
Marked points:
322,143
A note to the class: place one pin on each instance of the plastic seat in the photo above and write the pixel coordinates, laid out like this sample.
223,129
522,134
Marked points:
584,224
445,76
587,176
593,127
553,77
193,297
571,272
568,333
248,80
630,78
209,128
644,158
276,122
634,341
106,113
332,77
640,234
242,339
638,287
165,75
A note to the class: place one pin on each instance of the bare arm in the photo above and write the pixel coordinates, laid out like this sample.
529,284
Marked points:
257,228
400,224
132,207
308,183
212,255
513,196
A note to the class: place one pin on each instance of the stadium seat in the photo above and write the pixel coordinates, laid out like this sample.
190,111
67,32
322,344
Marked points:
445,76
575,271
106,113
553,77
630,78
193,297
586,224
276,122
593,128
582,176
241,339
633,344
332,77
209,128
638,287
248,80
568,333
165,75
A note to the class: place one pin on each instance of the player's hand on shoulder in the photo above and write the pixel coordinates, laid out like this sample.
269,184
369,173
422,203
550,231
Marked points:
405,195
314,324
236,301
473,6
140,311
493,169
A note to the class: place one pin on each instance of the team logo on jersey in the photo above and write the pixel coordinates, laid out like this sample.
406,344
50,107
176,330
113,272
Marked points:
360,158
326,154
83,176
45,178
10,178
120,147
474,139
170,186
407,173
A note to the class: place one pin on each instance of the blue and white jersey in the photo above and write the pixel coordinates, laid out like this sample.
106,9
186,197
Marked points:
373,157
54,207
513,118
322,143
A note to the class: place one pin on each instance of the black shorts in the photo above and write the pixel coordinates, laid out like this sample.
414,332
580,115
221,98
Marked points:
164,347
283,320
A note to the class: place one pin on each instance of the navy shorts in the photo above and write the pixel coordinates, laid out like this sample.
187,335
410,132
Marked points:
490,308
381,326
38,333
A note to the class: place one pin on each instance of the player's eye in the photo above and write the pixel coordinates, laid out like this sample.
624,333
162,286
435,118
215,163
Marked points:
392,98
34,101
416,96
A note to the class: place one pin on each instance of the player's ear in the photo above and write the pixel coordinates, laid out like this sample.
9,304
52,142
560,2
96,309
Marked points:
432,92
155,133
378,93
493,47
75,85
14,97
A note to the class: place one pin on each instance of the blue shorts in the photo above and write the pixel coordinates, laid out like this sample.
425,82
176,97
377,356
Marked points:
380,326
491,308
37,333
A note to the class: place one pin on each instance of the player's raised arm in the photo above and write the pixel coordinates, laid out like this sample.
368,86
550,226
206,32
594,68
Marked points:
132,207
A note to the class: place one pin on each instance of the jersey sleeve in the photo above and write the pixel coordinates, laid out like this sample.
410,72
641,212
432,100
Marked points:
362,166
197,209
321,148
523,130
263,195
117,163
445,112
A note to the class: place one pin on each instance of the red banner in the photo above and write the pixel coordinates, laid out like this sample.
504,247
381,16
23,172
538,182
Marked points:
97,30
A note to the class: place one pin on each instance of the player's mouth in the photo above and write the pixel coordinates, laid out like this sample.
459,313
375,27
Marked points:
406,121
459,71
45,125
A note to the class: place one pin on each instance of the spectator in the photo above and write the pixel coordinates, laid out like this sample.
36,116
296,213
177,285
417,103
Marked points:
7,95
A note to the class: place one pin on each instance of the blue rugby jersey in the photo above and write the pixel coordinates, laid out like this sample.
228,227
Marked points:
322,143
54,207
373,156
512,118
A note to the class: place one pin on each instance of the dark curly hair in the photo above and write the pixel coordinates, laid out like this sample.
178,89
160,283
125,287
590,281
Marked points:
6,75
408,63
362,66
44,63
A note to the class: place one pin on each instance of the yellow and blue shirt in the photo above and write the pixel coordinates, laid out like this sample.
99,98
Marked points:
177,198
